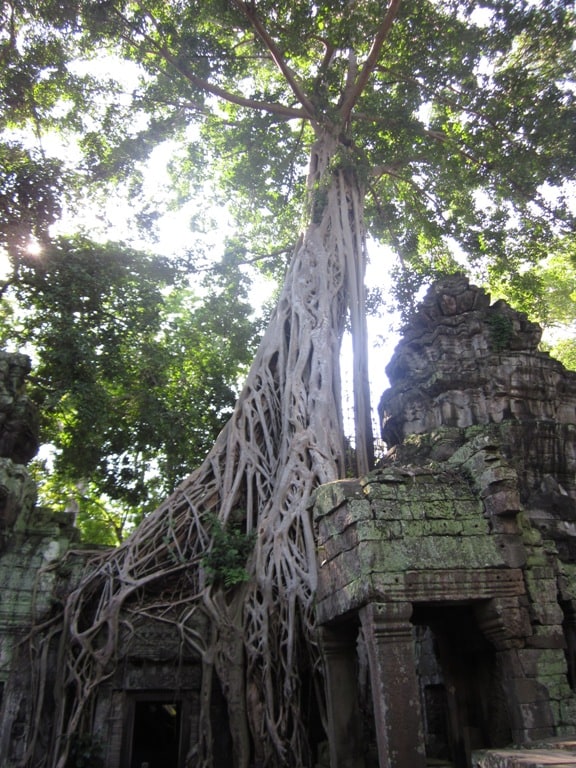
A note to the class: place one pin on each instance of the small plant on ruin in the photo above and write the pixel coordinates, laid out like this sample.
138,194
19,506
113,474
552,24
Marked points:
500,331
225,563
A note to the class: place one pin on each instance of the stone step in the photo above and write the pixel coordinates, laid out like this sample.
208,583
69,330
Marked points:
556,753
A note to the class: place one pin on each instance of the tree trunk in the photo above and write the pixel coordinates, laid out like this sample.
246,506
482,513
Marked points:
284,439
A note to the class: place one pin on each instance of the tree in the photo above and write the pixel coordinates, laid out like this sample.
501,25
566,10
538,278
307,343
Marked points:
427,122
135,373
546,293
35,55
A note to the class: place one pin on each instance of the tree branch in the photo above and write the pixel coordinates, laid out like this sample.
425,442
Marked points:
371,60
242,101
249,12
210,266
205,85
422,194
351,75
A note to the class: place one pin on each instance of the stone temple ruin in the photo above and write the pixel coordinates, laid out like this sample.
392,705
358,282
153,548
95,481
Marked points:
455,562
447,577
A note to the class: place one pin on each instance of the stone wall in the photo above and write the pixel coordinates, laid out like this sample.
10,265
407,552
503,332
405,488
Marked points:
32,544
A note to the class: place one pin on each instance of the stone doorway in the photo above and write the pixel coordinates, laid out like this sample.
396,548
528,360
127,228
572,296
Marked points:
153,733
463,705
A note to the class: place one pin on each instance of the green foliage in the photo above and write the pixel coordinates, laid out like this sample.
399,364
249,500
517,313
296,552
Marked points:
99,519
565,351
36,43
225,562
135,374
31,188
557,273
465,122
462,132
501,330
539,281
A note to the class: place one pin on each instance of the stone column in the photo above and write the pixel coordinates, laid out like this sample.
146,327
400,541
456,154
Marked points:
505,622
344,723
391,655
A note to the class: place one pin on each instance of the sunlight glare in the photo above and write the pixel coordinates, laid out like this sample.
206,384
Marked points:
34,248
5,266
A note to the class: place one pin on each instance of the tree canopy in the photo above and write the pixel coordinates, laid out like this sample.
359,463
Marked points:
459,116
444,130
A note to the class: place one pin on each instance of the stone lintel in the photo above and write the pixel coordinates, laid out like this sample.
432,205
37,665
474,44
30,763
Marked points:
426,586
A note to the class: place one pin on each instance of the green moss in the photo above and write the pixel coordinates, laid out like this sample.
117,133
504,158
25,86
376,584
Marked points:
551,663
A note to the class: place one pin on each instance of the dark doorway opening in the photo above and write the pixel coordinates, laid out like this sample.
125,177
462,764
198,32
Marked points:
156,734
569,627
463,702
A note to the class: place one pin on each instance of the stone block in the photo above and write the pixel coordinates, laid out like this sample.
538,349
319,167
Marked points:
374,488
388,510
431,527
531,699
337,603
541,591
551,662
543,572
535,555
558,690
342,518
468,506
496,473
379,530
546,614
528,661
330,496
502,502
475,526
568,713
511,549
546,637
